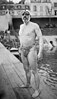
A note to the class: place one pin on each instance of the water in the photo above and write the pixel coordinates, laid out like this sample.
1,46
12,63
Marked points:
48,69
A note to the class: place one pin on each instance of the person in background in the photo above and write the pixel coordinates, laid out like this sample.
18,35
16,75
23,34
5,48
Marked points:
29,34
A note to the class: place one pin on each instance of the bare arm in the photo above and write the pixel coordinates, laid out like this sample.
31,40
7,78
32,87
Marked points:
40,45
40,39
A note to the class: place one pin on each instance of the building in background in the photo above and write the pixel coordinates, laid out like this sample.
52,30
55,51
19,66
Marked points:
38,8
54,7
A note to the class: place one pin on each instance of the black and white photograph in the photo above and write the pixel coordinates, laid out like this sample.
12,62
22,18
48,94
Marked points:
28,49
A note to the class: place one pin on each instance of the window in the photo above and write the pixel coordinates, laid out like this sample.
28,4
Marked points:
55,12
55,4
46,1
27,7
34,8
35,1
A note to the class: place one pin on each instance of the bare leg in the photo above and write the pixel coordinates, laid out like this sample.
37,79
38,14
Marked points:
36,84
28,77
36,79
32,57
26,68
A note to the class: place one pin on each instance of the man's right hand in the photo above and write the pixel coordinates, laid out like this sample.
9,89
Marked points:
40,56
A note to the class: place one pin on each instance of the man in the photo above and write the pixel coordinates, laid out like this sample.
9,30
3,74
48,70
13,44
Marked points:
29,33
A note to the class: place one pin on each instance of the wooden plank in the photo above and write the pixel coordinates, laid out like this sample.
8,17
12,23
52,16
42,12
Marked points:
6,56
22,93
1,45
15,72
20,71
12,75
8,60
6,91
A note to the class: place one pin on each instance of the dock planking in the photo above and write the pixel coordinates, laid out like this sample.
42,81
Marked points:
6,91
12,76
